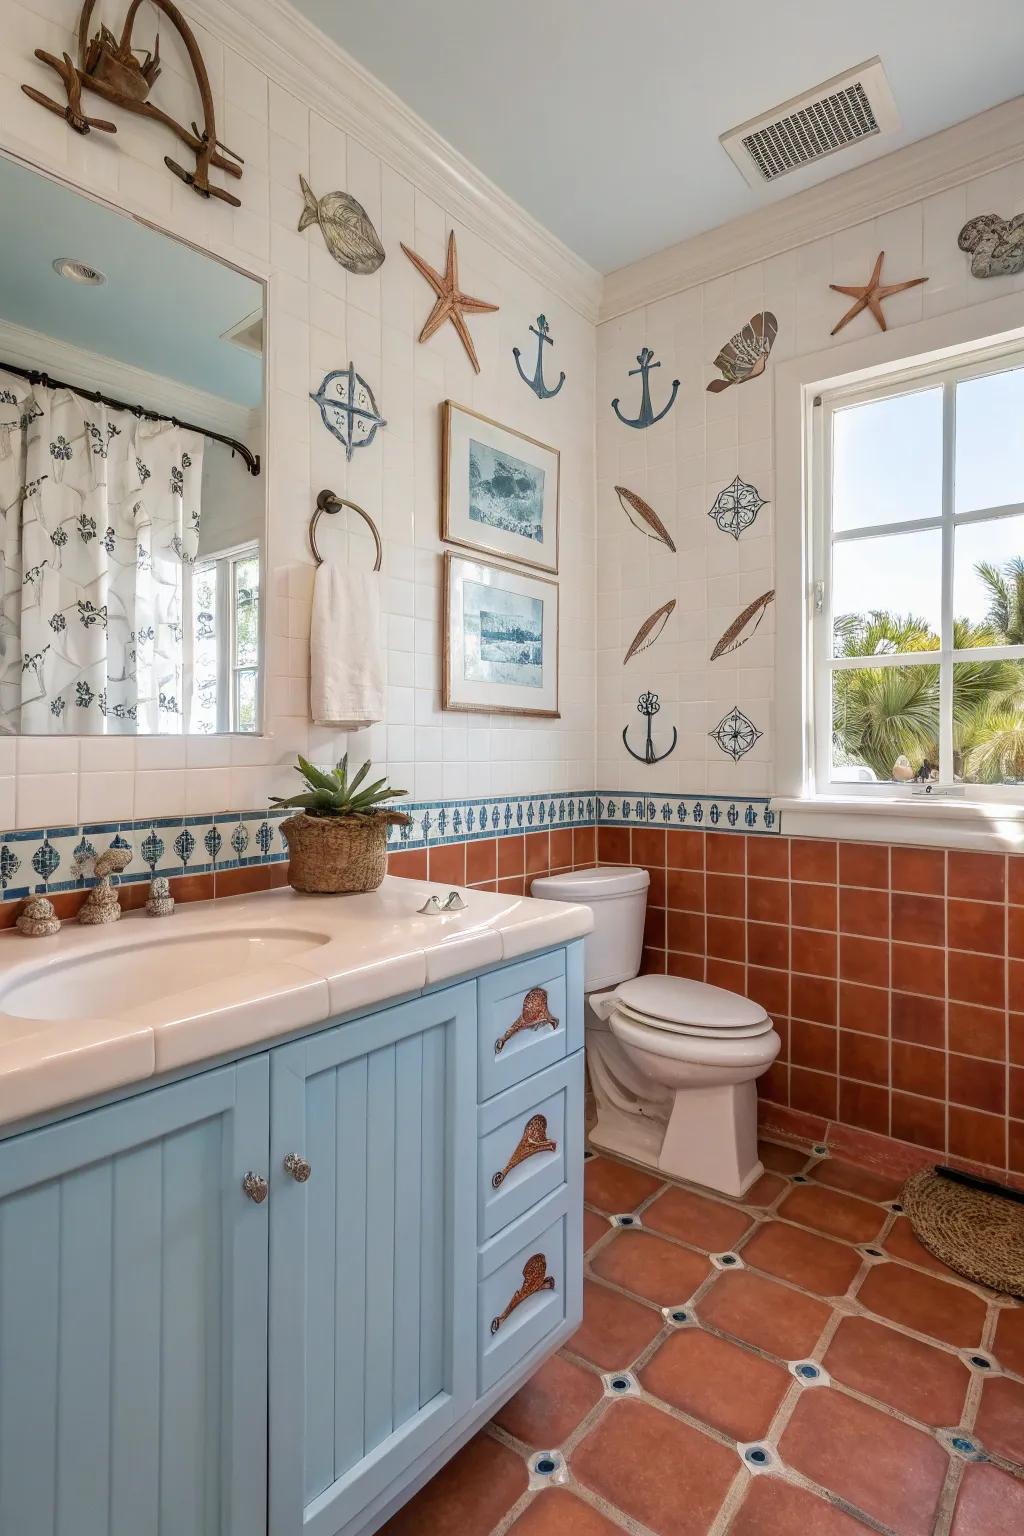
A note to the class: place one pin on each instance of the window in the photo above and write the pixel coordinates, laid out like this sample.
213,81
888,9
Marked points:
226,639
918,584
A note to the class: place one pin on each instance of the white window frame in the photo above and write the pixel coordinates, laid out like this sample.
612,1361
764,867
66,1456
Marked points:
978,339
225,562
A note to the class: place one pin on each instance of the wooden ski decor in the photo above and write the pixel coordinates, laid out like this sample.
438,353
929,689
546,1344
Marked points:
450,302
871,294
108,66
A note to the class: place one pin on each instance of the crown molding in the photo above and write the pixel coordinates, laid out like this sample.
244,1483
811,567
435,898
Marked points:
947,159
275,38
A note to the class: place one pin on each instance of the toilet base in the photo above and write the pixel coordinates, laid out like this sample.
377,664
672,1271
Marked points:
710,1139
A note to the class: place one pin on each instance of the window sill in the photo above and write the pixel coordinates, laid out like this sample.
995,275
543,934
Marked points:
995,826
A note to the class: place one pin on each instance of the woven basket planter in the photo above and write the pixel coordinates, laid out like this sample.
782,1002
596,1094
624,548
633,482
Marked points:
339,854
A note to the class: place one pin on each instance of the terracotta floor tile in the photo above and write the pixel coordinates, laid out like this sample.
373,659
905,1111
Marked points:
882,1466
921,1381
781,1159
1009,1345
548,1408
774,1507
924,1303
614,1329
675,1488
759,1311
989,1501
556,1512
614,1188
1000,1421
704,1223
827,1210
648,1266
902,1244
719,1383
853,1180
594,1228
469,1495
767,1189
816,1263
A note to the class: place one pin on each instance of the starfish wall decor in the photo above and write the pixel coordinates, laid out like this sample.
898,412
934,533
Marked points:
451,302
872,293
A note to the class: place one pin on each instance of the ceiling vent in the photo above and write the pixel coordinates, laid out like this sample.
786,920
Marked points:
846,110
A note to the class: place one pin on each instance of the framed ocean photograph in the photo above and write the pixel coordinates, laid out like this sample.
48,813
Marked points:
500,639
499,489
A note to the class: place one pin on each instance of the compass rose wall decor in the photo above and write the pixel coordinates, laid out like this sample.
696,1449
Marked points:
735,509
348,409
451,304
870,295
541,330
735,734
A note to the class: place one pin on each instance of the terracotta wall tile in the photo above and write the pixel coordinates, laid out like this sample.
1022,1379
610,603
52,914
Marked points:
612,844
686,931
918,1069
977,1031
813,906
239,882
684,890
684,849
864,960
918,919
725,853
774,1084
865,1105
727,974
769,988
977,978
768,901
864,1008
1015,985
864,864
768,857
657,891
410,863
976,925
919,869
1016,1093
813,1045
920,1020
561,846
864,911
1015,880
726,938
725,894
511,857
1015,1039
768,945
648,846
447,863
865,1057
814,998
1016,1150
977,876
538,853
978,1084
652,962
917,969
512,885
922,1121
481,861
654,928
814,953
689,965
816,1093
584,848
813,859
977,1136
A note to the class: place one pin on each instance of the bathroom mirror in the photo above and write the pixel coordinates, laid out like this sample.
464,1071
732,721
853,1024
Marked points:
132,503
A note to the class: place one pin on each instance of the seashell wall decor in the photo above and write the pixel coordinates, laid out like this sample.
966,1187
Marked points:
745,356
346,227
743,626
995,245
643,516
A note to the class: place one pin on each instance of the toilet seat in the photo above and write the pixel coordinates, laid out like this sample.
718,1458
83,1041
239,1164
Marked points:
698,1031
683,1007
731,1053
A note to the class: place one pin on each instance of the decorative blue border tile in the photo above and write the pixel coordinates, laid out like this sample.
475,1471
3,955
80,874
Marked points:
708,813
459,821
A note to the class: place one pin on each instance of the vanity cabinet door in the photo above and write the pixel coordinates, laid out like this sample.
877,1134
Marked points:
372,1353
133,1314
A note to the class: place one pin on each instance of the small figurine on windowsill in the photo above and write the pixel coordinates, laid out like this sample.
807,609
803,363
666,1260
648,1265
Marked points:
928,773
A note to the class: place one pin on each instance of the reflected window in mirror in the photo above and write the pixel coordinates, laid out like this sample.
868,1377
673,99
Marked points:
132,527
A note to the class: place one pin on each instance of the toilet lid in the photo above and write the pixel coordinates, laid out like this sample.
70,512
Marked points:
675,1000
701,1031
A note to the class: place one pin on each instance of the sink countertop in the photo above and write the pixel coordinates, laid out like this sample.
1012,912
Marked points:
365,951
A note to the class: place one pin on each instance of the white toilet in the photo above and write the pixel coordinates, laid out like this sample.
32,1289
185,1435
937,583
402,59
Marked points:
672,1062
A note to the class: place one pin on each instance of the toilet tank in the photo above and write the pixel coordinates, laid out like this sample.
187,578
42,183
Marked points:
617,896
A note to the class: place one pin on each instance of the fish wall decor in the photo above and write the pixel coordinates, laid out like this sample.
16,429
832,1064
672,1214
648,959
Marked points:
643,516
745,356
995,245
650,630
346,227
743,626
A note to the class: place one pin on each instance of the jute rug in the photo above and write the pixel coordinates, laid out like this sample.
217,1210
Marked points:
979,1235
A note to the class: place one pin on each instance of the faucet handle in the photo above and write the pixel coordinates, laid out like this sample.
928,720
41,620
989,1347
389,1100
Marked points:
454,903
430,908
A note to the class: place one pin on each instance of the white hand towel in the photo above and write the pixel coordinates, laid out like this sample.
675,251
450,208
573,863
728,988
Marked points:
346,661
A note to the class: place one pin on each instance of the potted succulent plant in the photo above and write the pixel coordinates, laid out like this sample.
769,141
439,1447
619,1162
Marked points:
338,841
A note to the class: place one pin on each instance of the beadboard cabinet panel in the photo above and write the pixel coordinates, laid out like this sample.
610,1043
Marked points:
133,1316
372,1259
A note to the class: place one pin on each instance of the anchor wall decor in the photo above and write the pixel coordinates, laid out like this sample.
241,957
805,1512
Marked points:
648,705
108,66
647,417
540,389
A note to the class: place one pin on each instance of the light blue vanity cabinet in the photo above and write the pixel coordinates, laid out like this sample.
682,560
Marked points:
365,1238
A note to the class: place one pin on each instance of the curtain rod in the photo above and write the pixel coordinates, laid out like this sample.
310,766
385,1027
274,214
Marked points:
36,376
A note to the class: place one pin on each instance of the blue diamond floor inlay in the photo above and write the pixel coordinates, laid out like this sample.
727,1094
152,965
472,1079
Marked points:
758,1456
808,1372
620,1384
545,1466
679,1316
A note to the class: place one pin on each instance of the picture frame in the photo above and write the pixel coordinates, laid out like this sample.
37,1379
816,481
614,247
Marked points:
500,650
499,489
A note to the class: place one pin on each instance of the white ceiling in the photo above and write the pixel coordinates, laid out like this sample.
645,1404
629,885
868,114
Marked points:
602,117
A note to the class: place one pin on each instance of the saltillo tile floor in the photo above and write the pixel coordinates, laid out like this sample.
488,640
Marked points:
791,1364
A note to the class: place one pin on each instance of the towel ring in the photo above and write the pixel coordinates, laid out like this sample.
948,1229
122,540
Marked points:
329,503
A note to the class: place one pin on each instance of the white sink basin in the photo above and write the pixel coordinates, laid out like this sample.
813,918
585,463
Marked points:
106,982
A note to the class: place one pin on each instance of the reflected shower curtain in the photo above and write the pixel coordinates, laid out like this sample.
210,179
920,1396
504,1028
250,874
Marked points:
100,527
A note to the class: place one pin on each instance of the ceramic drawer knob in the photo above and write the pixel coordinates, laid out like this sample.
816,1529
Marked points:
534,1015
535,1279
533,1140
297,1166
255,1187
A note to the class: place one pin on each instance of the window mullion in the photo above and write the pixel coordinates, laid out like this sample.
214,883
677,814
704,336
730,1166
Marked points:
946,661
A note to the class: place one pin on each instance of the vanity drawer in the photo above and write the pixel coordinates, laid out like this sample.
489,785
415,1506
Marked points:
524,1296
523,1025
528,1137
